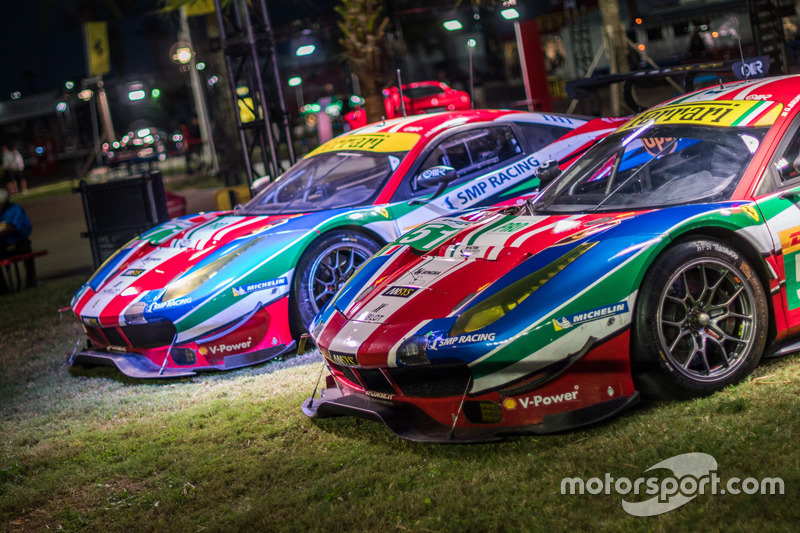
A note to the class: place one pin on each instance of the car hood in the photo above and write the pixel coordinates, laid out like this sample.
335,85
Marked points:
569,268
182,244
462,258
140,273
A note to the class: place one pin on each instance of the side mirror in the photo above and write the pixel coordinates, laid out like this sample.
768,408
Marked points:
260,183
440,176
437,175
547,172
796,164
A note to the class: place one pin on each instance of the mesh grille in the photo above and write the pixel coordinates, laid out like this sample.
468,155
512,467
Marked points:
374,380
150,335
433,381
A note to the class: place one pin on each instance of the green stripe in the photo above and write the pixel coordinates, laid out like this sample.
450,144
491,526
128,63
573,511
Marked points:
487,229
747,116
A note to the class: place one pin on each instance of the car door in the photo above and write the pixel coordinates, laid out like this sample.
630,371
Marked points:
488,160
781,211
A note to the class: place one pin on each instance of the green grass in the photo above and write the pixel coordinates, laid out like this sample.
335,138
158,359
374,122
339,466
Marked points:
88,449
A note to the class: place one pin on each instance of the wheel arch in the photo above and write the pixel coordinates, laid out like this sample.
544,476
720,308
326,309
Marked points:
746,247
353,228
350,228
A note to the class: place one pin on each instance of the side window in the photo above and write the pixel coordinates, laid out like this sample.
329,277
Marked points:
540,135
786,167
471,151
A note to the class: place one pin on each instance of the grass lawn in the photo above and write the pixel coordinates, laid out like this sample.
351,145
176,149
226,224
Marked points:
90,450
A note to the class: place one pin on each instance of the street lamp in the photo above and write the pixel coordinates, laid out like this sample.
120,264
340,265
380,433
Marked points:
452,25
182,54
297,83
511,13
470,46
209,153
305,50
136,92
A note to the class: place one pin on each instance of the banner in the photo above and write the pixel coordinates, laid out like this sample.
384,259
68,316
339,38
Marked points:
200,7
98,57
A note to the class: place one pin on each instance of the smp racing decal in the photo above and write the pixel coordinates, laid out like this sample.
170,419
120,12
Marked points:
495,183
260,286
566,322
169,304
462,339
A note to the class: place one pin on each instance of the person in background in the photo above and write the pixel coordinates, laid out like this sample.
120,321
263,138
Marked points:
15,233
356,119
14,166
191,145
9,173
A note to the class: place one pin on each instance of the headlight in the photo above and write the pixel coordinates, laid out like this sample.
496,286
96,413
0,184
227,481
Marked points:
412,351
498,305
134,314
317,325
188,283
183,286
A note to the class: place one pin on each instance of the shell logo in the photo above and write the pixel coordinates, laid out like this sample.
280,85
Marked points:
510,403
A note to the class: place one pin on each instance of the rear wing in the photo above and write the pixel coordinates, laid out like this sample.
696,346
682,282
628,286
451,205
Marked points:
685,75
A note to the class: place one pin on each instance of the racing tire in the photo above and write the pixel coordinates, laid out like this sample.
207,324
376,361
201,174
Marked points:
323,269
700,323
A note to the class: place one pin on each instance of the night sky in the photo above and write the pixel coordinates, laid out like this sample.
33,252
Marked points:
42,42
38,54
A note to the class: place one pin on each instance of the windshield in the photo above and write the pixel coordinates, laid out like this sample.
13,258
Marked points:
655,166
325,181
422,91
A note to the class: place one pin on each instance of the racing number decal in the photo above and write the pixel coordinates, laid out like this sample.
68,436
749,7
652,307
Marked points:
790,243
431,235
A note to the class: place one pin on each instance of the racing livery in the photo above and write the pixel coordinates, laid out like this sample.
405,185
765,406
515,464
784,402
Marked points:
664,262
221,290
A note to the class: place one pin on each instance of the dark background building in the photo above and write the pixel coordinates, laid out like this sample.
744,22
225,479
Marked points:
43,110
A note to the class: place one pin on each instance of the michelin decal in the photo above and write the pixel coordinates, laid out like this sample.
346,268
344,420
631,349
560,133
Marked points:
566,322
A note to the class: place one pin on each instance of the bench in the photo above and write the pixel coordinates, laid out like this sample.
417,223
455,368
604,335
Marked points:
11,267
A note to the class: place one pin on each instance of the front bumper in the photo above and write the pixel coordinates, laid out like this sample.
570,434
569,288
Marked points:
136,365
411,423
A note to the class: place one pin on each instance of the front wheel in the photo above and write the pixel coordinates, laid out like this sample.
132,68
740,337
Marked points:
323,269
701,321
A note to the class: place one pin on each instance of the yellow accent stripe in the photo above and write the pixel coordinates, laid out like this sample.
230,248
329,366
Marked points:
370,142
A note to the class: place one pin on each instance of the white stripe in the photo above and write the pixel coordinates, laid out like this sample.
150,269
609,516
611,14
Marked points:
523,236
350,338
756,86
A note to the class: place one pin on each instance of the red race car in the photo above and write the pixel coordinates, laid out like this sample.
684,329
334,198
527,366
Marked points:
424,97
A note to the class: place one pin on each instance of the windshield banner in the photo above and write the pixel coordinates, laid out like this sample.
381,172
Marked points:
726,113
371,142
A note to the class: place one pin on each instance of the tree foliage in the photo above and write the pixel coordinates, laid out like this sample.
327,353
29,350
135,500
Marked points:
363,28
